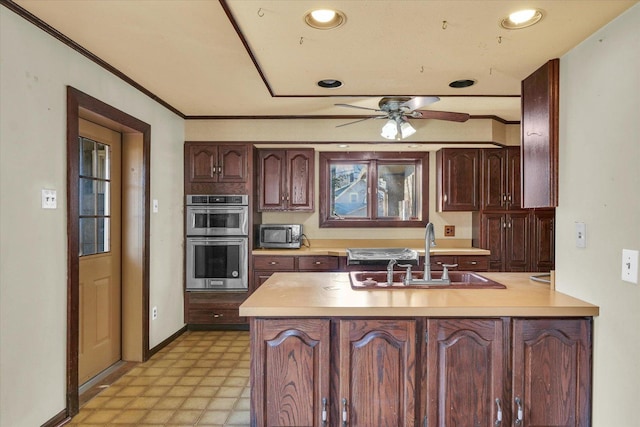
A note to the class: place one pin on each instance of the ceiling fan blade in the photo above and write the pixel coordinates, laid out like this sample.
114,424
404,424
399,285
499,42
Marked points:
361,120
419,101
356,106
440,115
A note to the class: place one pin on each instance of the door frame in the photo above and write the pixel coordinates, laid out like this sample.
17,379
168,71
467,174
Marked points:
81,105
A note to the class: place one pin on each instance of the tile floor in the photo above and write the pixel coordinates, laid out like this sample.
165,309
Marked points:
200,379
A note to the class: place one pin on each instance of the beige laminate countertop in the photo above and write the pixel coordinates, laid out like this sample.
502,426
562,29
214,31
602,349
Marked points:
330,294
342,251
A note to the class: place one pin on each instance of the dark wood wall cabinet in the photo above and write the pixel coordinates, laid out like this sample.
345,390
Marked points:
417,371
217,168
286,180
501,178
458,179
539,127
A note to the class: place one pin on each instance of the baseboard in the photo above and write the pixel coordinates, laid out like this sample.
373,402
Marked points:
167,341
218,327
58,420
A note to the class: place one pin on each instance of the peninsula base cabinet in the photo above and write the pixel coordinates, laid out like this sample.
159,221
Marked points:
421,372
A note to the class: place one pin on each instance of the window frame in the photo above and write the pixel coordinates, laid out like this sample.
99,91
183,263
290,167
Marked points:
374,160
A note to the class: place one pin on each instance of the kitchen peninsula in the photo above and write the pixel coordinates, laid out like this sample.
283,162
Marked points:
326,354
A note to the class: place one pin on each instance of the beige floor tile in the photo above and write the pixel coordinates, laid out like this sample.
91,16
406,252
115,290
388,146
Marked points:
195,403
213,418
238,418
229,392
169,403
117,402
144,402
186,416
102,416
156,391
129,416
159,416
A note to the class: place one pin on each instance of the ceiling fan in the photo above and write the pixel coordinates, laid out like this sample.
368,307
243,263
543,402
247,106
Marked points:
397,109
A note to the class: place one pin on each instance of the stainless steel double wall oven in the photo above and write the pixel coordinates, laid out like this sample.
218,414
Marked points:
217,251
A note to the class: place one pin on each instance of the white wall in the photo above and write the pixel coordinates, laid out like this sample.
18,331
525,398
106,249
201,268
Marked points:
600,186
34,72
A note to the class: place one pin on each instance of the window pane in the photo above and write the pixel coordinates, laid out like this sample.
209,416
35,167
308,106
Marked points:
94,159
86,157
348,190
94,197
396,188
94,235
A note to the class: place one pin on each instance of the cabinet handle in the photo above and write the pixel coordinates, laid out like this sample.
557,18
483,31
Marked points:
520,412
473,262
445,198
504,199
510,222
324,411
344,412
216,315
219,169
498,413
318,262
509,198
273,262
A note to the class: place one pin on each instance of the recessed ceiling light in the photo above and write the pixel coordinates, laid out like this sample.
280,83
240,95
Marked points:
462,83
522,19
324,19
330,83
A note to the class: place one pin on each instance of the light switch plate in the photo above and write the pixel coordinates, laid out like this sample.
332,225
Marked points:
630,265
155,205
581,235
49,199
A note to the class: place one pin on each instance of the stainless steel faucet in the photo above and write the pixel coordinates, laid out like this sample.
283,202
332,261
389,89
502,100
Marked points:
429,240
392,262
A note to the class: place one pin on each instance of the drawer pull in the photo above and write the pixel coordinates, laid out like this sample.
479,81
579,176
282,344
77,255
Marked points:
273,262
318,262
498,421
520,411
216,315
473,262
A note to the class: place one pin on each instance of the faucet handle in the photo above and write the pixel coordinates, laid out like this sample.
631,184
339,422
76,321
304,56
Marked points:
408,277
445,270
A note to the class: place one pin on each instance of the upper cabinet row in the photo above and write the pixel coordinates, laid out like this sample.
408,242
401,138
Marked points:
285,178
475,179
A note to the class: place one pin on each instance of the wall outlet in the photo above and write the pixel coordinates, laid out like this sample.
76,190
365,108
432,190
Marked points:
154,313
449,230
49,199
155,205
630,265
581,235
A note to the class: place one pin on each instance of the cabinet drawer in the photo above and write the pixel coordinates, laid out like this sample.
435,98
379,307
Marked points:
317,263
215,316
473,263
274,263
437,261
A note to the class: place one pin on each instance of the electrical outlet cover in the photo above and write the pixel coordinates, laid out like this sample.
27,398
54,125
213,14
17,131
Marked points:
630,265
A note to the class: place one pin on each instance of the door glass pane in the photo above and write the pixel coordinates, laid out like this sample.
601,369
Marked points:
349,190
396,190
94,197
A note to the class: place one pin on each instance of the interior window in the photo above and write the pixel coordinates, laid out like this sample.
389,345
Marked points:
373,189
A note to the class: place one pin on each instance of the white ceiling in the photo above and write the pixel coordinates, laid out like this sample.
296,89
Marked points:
192,55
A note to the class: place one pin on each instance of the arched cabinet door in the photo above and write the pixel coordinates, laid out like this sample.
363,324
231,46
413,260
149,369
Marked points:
551,372
376,373
290,372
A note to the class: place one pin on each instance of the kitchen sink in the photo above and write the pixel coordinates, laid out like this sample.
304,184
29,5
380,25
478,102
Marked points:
381,256
458,280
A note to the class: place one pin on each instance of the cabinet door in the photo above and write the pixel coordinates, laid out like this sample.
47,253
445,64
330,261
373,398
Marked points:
494,168
202,162
300,180
540,104
290,372
232,163
493,239
552,372
458,179
512,176
543,240
464,371
271,179
517,241
376,373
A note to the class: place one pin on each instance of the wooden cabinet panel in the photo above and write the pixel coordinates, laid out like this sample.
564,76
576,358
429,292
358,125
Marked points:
377,372
539,127
285,180
543,240
458,179
507,236
463,262
437,261
290,383
464,368
501,178
552,372
317,263
274,263
211,167
210,308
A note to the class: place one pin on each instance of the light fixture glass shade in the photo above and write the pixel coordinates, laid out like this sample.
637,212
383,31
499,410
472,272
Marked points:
406,129
389,130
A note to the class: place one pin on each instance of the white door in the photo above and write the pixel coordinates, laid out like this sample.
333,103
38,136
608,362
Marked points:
100,250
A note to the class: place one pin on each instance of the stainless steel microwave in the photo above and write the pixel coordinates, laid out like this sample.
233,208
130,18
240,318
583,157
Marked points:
283,236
